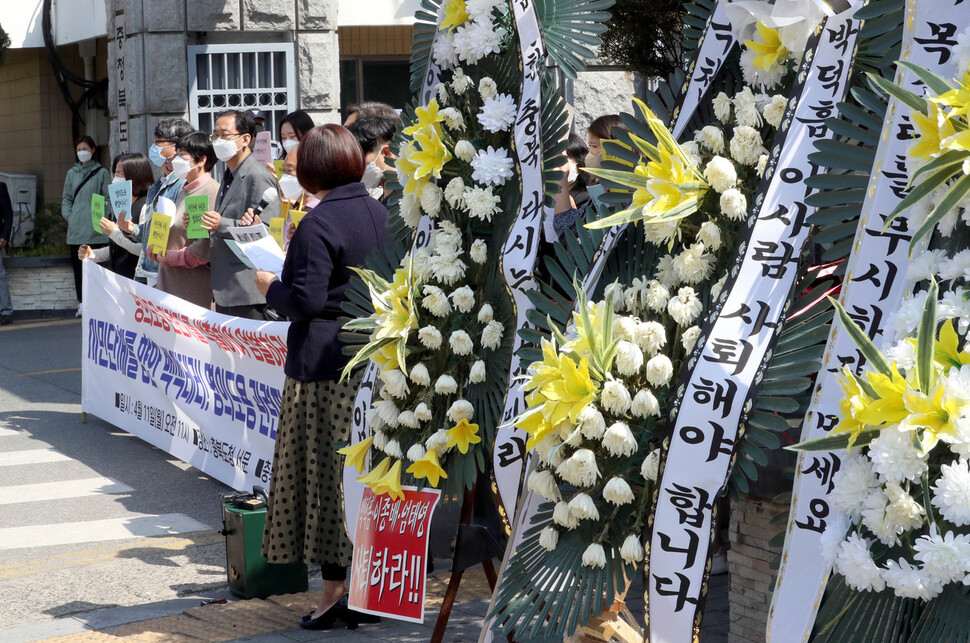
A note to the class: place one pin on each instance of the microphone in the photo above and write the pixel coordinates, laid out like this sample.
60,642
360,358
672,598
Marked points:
269,196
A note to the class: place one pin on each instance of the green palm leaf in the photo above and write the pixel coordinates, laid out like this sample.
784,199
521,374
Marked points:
571,30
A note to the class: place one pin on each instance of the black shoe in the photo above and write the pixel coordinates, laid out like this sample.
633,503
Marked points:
353,619
326,620
5,320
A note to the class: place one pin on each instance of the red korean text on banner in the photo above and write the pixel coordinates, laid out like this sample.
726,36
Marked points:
391,554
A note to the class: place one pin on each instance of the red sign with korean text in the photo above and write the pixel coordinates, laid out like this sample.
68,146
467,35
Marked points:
391,554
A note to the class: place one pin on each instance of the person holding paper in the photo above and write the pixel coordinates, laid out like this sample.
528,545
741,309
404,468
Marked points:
304,521
85,179
297,198
183,270
243,185
293,127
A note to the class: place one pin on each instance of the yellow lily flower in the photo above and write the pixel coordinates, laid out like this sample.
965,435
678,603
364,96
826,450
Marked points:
888,407
428,467
390,483
357,454
386,358
769,49
428,118
932,129
462,435
853,401
455,15
570,394
432,156
666,185
399,321
930,413
947,351
376,473
403,162
958,98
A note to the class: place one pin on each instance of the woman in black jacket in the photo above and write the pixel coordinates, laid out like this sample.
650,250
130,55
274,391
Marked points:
305,517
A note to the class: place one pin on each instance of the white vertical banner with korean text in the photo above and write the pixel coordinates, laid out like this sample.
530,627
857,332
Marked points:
201,386
728,364
872,290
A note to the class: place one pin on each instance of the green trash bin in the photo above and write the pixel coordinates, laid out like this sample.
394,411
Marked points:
250,575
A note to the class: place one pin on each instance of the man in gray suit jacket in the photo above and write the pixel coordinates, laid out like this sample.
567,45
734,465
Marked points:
243,184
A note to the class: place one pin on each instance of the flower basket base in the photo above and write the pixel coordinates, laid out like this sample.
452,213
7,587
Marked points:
616,624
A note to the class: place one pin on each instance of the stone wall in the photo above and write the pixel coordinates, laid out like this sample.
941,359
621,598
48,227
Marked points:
749,565
599,92
40,284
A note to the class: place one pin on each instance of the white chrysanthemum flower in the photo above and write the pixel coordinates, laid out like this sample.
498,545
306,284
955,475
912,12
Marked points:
878,520
625,328
498,113
441,92
693,265
374,419
454,192
487,88
443,51
692,150
476,374
908,581
463,299
758,77
465,151
482,8
718,287
685,306
927,264
629,358
380,440
430,337
774,110
445,385
393,448
645,404
617,491
903,353
660,233
666,273
387,411
689,338
579,469
632,550
712,138
594,556
746,145
651,337
544,483
410,210
477,39
951,492
720,173
416,452
746,109
961,52
447,267
452,118
492,166
583,507
485,313
459,81
562,516
548,538
478,252
615,398
548,449
481,203
946,558
855,564
657,296
492,335
955,267
659,370
722,107
461,410
650,468
395,382
420,375
832,538
710,235
908,314
591,423
902,508
734,205
435,301
438,441
852,484
619,440
422,412
461,343
894,458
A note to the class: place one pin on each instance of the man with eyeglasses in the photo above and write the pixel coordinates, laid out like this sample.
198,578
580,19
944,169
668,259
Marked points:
243,184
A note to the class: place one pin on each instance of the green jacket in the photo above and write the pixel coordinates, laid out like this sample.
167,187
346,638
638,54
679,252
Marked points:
77,210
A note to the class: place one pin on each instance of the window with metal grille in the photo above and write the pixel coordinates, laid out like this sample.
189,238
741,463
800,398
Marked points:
241,77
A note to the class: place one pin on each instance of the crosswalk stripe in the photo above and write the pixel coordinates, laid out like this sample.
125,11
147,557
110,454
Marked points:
60,490
5,432
31,456
67,533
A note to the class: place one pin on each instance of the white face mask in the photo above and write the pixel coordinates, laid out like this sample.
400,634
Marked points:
225,149
84,156
290,187
573,173
372,176
181,167
118,179
290,144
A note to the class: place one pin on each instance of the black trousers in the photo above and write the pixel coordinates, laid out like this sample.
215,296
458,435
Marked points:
332,571
76,266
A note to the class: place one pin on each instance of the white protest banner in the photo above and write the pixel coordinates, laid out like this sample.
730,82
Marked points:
872,290
736,342
201,386
256,248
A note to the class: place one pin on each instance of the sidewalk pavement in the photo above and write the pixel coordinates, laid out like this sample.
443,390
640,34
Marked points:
272,620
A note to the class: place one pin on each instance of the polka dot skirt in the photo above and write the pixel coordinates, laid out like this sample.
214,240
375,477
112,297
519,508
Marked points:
305,516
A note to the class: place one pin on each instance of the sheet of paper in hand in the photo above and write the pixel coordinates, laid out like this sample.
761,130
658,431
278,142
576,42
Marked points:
263,148
97,211
195,207
256,248
162,220
120,196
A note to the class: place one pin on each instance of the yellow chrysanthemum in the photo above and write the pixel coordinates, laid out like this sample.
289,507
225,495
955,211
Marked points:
455,15
389,483
768,47
357,454
428,467
462,435
932,128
